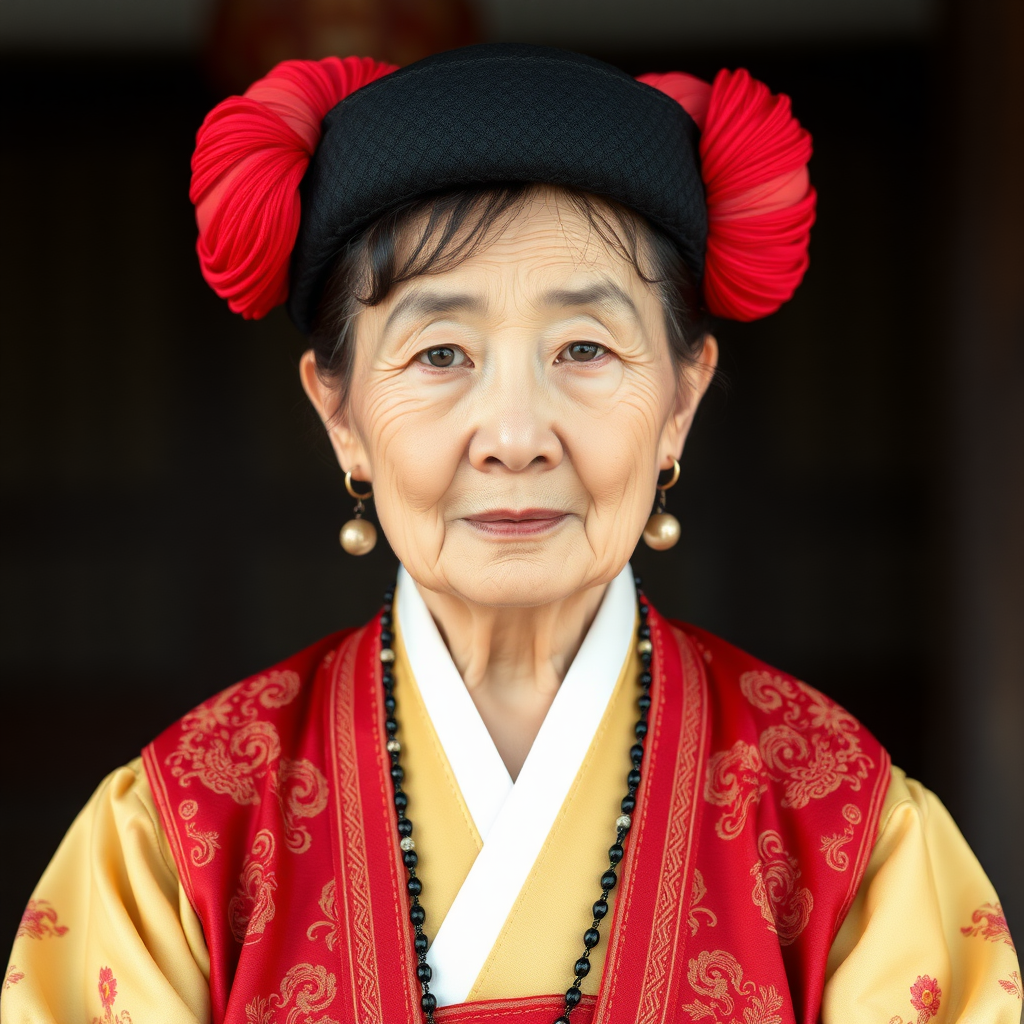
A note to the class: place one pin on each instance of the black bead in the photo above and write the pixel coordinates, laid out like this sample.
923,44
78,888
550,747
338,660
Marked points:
572,997
428,1002
423,972
409,858
644,701
591,937
608,880
644,609
644,679
632,779
638,581
385,619
640,729
582,968
616,853
415,886
397,772
417,914
401,801
386,637
420,944
404,827
562,1020
645,659
636,754
600,909
391,725
627,805
388,678
389,706
644,632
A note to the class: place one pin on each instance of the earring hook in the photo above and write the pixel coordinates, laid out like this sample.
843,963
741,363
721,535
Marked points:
353,492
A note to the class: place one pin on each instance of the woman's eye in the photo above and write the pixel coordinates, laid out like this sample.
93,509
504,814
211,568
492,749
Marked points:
444,355
582,352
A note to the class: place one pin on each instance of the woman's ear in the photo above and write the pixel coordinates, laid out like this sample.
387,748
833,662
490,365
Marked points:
348,448
692,383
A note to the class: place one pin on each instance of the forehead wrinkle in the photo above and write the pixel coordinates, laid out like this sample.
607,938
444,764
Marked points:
425,301
604,293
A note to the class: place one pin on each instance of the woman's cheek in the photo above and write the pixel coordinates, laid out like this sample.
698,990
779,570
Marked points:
415,455
615,456
591,388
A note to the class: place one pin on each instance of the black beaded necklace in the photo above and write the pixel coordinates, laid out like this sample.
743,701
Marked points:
417,915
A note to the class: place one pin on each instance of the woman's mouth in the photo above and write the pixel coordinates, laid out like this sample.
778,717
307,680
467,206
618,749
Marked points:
511,523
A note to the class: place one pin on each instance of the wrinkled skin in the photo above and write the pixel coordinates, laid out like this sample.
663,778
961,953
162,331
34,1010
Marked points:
543,400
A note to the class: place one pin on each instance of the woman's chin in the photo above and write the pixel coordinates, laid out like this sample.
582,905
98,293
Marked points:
518,569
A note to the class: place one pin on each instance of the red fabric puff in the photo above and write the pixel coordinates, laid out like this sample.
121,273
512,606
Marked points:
251,153
760,201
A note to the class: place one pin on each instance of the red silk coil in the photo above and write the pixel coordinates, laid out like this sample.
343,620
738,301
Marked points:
760,201
251,153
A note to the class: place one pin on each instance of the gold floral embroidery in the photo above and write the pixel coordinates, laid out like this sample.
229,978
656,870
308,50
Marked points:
206,844
226,758
712,974
305,990
39,920
785,905
1013,985
13,976
229,749
108,993
330,922
735,781
697,892
301,790
832,846
225,745
989,922
252,907
812,752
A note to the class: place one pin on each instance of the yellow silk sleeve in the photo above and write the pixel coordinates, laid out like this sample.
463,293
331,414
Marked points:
925,939
109,935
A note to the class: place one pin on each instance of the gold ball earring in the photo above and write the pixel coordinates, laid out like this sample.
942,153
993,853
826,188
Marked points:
662,530
358,535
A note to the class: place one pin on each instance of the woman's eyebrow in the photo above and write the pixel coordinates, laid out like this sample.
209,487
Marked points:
604,293
430,303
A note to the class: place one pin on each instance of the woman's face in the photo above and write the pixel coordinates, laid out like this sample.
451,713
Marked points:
513,413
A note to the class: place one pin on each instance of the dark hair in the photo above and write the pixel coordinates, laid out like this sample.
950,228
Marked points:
458,222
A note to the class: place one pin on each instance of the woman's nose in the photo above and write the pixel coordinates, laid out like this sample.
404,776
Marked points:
514,424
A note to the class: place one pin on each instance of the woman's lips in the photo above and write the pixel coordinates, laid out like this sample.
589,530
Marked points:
527,522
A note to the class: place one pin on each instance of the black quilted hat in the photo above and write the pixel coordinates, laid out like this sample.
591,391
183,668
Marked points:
496,113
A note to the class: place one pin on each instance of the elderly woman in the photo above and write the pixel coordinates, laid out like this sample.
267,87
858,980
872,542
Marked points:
518,793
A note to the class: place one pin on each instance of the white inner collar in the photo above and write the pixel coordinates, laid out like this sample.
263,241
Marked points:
513,819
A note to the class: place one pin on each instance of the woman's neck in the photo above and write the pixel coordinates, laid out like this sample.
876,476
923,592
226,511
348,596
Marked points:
513,660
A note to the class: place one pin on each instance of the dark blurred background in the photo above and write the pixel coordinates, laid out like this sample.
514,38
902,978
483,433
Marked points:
852,499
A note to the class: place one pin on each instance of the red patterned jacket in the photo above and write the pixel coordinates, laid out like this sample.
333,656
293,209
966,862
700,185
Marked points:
755,820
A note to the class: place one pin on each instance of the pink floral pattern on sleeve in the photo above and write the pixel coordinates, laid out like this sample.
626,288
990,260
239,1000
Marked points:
925,997
39,920
13,976
1012,985
107,986
989,922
